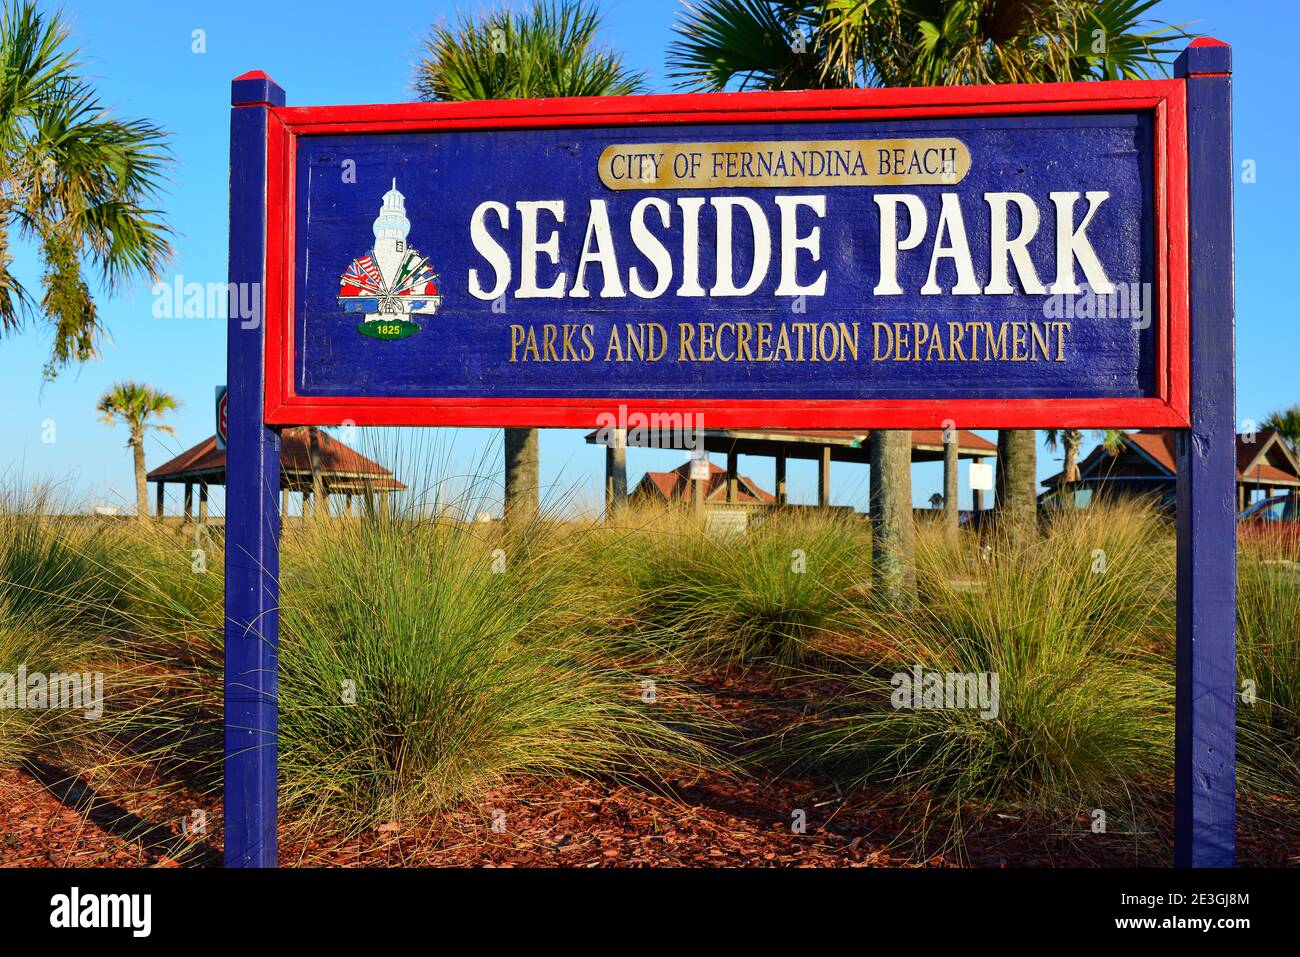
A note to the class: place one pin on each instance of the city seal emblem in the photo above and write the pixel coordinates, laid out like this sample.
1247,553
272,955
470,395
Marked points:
393,282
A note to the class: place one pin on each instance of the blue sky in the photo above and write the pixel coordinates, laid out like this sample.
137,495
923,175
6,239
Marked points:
142,57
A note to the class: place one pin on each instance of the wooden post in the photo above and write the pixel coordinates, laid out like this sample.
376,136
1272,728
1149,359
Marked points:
782,495
824,478
284,502
1205,665
701,486
203,503
252,618
977,494
159,492
950,448
347,505
188,510
733,464
616,472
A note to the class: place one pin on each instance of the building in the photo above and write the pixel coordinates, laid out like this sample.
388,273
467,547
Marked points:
675,486
1146,467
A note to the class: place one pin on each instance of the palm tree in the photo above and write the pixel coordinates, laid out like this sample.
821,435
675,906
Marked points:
550,49
1071,440
134,404
1287,424
788,44
74,180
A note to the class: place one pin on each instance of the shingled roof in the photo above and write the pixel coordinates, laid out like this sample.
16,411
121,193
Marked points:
676,485
344,469
1262,458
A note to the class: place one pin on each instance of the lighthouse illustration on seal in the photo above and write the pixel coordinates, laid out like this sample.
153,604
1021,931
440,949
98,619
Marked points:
393,282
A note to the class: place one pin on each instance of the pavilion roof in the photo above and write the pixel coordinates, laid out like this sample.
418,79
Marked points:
344,469
676,484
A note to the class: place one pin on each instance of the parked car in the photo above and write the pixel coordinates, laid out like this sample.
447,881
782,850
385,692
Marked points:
1276,519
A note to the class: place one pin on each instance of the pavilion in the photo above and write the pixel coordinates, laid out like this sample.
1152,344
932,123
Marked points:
820,445
343,471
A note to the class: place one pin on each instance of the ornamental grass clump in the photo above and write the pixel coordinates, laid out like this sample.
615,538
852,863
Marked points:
714,596
60,608
1268,675
1071,637
422,662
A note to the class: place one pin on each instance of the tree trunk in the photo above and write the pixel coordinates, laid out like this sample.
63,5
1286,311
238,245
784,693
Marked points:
1070,473
317,479
893,534
521,475
1017,505
141,486
950,517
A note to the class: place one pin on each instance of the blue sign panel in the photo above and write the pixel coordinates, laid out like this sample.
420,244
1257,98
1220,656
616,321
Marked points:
959,258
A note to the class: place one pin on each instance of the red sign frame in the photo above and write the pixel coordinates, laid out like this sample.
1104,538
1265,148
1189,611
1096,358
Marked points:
1164,99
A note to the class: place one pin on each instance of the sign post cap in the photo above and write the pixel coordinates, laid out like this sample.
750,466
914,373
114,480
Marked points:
255,88
1204,55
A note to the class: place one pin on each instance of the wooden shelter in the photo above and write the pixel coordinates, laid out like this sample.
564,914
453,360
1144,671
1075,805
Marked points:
820,445
342,471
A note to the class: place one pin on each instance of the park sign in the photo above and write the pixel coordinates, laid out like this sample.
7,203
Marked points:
988,256
1043,256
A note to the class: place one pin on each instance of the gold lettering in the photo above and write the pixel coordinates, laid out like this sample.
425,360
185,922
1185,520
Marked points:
615,346
876,329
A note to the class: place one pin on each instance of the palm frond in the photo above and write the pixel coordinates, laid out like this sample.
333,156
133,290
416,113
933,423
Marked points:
134,404
1116,41
754,44
550,49
1287,424
744,43
75,180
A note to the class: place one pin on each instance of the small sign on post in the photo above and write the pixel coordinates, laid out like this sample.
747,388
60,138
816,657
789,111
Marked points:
981,477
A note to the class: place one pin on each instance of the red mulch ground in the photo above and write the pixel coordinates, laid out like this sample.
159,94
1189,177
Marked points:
582,823
47,820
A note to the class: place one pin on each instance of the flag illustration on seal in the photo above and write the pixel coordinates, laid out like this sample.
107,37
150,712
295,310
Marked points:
394,281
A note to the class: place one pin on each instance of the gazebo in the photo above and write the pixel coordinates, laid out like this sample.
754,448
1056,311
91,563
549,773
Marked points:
822,445
342,470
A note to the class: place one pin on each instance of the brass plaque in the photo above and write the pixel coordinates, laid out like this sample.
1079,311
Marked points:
785,163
